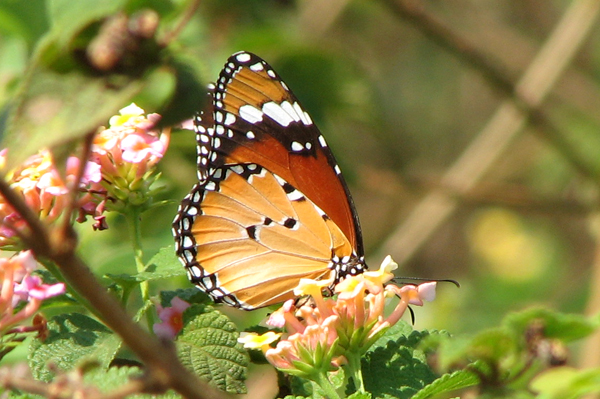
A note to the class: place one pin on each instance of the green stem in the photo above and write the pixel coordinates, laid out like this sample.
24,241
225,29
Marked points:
135,232
323,382
51,267
354,370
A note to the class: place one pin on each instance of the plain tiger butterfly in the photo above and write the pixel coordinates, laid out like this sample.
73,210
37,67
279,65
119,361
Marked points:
270,206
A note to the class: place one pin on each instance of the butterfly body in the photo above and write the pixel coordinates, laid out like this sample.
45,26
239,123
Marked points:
270,206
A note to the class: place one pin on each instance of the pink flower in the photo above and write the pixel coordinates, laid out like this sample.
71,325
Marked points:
18,285
137,148
171,319
33,287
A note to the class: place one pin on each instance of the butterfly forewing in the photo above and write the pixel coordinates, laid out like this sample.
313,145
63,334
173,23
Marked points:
271,206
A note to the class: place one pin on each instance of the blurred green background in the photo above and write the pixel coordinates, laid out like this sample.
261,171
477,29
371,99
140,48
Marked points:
398,110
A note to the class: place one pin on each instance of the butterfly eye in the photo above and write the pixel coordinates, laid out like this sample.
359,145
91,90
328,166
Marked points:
271,206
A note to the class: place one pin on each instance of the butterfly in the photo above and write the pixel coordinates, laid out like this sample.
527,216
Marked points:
270,206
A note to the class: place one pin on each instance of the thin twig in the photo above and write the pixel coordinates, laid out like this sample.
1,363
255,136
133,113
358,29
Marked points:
590,353
434,29
497,135
498,77
187,16
74,190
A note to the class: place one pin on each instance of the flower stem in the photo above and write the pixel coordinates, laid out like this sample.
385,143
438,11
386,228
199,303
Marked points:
354,370
326,386
133,221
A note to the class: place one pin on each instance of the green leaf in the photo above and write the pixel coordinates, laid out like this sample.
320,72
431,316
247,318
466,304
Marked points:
566,327
23,19
14,394
55,108
72,339
190,295
109,380
360,395
398,331
566,383
70,17
208,346
398,369
164,264
448,382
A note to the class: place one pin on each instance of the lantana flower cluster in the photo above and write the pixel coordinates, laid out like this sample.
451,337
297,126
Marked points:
334,332
19,285
127,153
43,189
117,174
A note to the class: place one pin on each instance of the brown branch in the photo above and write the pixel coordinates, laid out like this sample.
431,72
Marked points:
437,31
68,385
164,369
502,128
463,49
74,189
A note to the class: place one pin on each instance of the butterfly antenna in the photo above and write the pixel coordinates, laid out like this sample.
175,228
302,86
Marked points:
400,280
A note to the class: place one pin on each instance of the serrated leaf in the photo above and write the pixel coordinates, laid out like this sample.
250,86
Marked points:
448,382
566,327
394,333
208,346
72,339
398,369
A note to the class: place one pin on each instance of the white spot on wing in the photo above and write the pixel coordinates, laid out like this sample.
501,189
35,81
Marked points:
277,113
322,141
295,195
301,114
229,119
297,146
250,135
289,108
250,113
187,242
243,57
257,67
